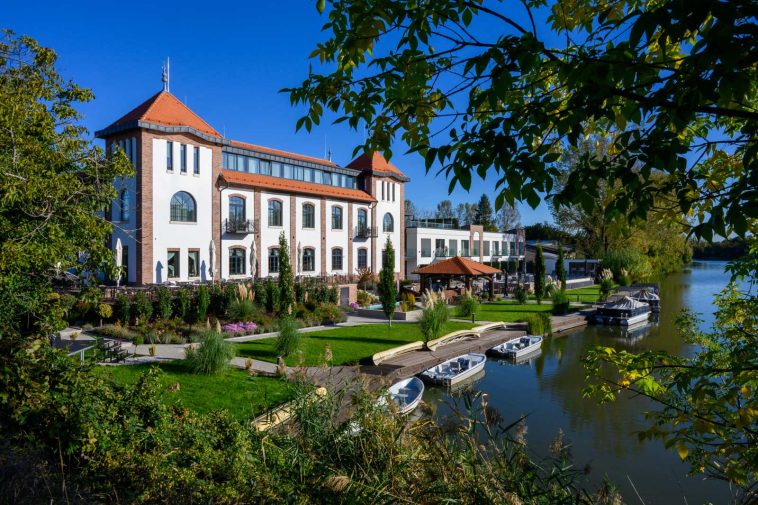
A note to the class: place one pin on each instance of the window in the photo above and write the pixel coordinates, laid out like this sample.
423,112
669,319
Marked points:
183,158
275,215
237,261
169,155
264,167
327,178
193,263
453,247
513,252
196,161
486,247
276,169
382,190
362,258
464,248
337,258
439,247
124,204
309,260
183,208
236,209
172,264
362,221
475,245
336,218
393,192
389,222
309,216
426,248
273,260
505,248
495,248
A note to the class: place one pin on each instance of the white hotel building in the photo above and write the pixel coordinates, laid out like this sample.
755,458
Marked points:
195,192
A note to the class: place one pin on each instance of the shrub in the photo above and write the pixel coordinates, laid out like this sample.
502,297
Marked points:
606,286
560,302
66,302
111,331
143,308
202,302
212,355
328,313
272,296
288,339
468,305
217,307
636,264
521,294
182,303
538,324
163,303
242,310
433,317
105,311
235,329
123,308
261,295
138,340
365,298
332,295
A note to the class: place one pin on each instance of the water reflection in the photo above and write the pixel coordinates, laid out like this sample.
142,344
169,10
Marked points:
548,389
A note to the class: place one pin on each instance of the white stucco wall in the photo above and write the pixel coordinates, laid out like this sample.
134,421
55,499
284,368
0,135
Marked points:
229,240
383,206
336,237
308,237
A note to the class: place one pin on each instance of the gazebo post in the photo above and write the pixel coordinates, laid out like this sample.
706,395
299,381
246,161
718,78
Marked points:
492,287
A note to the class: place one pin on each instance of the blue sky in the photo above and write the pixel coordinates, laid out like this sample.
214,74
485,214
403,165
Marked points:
228,63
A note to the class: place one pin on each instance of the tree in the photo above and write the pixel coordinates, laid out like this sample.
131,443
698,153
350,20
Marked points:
466,214
508,217
444,210
475,90
55,187
410,209
484,214
539,274
547,231
560,271
286,281
708,403
387,287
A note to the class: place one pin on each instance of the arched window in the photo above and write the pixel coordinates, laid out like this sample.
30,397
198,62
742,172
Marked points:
336,218
309,259
183,208
273,260
362,258
389,222
337,258
236,209
237,261
309,215
275,215
362,222
124,204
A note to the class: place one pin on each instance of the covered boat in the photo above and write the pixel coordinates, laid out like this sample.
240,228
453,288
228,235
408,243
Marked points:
648,296
624,312
406,394
455,370
518,347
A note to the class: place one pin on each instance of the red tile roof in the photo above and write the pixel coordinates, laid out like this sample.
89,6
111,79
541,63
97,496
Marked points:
277,152
374,161
165,109
457,266
235,178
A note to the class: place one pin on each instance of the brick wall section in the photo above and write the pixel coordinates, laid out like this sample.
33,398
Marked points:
352,296
401,252
473,230
216,206
293,234
374,269
350,266
145,208
323,235
258,215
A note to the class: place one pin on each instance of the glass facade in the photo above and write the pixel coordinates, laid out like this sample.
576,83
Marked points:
250,164
426,248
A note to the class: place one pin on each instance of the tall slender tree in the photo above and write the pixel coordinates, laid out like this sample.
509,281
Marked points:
539,274
484,214
560,271
286,281
387,287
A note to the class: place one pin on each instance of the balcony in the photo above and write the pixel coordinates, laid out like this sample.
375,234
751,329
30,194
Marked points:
365,232
240,226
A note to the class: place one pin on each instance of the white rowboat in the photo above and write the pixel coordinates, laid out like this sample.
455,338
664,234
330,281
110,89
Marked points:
519,347
455,370
406,394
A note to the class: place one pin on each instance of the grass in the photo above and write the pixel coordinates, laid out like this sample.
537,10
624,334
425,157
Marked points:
243,396
587,294
512,311
350,345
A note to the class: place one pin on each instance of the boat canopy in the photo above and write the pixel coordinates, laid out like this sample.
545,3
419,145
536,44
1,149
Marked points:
645,295
625,307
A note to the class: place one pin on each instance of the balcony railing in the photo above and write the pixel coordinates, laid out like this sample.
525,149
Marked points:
364,232
240,226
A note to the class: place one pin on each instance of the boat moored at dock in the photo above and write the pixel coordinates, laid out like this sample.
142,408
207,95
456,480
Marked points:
518,347
406,394
455,370
624,312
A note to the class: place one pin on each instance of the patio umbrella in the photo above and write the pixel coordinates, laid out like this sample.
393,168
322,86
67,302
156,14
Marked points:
212,259
253,260
299,258
119,253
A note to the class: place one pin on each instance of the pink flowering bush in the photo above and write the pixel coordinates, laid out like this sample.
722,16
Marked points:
236,329
354,306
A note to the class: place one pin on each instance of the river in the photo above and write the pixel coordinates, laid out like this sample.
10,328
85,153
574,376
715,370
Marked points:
603,439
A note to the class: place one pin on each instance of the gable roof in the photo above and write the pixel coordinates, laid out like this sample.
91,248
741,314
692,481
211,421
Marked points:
374,162
457,266
244,179
165,109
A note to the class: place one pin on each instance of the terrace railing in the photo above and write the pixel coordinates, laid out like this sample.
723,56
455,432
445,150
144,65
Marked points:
240,226
365,232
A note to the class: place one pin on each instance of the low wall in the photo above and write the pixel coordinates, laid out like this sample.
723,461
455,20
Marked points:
579,283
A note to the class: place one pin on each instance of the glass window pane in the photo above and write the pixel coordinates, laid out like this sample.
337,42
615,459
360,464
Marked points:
276,169
426,248
193,260
172,265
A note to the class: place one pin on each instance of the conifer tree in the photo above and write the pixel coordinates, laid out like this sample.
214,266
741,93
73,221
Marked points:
286,282
539,274
387,287
560,272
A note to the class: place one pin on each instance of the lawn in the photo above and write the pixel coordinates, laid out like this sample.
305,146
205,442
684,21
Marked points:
510,311
350,344
587,294
243,396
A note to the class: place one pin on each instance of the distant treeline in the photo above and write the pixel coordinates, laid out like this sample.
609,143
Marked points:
724,250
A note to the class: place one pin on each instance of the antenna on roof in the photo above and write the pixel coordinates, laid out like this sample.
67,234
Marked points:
329,156
166,77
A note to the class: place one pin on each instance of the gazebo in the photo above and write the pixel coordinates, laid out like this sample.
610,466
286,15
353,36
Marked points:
457,267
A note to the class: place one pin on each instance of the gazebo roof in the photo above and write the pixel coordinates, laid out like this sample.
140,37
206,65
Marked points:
457,266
